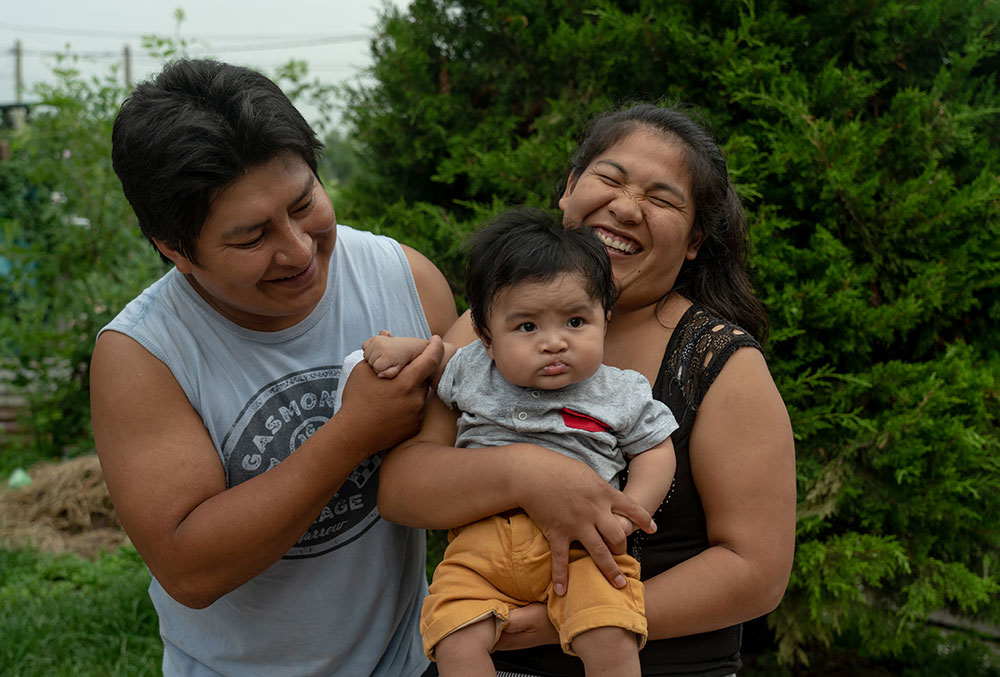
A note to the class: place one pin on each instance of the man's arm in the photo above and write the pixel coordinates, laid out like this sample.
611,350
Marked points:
435,295
199,539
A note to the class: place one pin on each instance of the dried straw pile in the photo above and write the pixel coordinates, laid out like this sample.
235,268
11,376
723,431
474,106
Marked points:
65,509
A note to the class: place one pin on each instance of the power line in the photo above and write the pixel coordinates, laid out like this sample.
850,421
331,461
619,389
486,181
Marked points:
294,40
316,42
109,54
65,31
293,44
71,52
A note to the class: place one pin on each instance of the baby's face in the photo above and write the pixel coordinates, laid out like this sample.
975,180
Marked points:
547,335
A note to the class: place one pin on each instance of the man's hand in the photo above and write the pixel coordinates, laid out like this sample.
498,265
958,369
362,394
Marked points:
389,411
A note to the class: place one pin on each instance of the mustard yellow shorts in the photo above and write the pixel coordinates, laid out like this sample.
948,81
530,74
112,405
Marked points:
501,562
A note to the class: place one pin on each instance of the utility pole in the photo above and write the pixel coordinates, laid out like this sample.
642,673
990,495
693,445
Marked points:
18,79
127,58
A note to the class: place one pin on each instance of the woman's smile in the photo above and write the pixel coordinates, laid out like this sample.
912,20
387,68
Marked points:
617,244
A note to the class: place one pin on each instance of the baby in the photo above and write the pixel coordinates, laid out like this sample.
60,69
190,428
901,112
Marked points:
540,298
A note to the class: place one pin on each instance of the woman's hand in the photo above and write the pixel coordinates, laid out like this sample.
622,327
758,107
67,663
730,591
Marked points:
529,626
570,502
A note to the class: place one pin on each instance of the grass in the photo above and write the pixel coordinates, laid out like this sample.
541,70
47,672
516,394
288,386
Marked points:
64,615
68,616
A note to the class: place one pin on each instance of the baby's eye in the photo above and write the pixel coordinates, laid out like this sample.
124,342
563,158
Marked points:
575,322
526,327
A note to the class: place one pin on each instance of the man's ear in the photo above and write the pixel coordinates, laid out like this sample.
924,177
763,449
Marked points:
570,185
183,264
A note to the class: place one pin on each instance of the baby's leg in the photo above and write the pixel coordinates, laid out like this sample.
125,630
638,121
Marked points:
467,650
603,625
608,651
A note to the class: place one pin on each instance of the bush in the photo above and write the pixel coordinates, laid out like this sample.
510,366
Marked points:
864,141
73,247
75,253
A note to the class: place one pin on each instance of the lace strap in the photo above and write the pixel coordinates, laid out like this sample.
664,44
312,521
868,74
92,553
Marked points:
700,347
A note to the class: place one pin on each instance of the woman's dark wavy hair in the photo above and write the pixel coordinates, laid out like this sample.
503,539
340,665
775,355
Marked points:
194,129
530,245
718,278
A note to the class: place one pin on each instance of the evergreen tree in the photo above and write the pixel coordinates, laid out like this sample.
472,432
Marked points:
864,140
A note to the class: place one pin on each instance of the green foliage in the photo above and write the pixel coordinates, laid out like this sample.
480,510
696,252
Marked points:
863,137
62,615
338,162
71,254
74,251
177,46
294,79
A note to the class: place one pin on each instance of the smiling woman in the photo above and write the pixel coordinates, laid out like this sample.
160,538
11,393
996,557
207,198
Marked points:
654,186
637,196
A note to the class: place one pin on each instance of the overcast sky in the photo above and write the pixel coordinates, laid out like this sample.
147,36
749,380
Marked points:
331,35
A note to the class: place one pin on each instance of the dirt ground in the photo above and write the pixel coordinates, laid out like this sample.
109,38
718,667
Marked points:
66,508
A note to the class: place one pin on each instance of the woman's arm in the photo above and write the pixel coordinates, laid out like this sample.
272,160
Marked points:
427,482
743,462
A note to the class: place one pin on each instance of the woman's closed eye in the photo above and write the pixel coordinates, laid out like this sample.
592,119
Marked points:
659,201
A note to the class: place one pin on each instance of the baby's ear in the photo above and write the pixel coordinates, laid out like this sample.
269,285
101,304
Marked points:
484,336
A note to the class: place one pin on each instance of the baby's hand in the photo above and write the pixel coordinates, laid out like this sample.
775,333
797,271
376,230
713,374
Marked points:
626,524
381,355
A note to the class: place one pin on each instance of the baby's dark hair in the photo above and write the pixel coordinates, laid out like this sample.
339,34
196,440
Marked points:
531,245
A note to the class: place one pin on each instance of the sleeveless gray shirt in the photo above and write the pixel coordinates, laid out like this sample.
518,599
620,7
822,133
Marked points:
346,598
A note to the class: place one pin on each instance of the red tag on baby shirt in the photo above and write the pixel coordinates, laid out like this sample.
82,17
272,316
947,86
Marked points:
574,419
